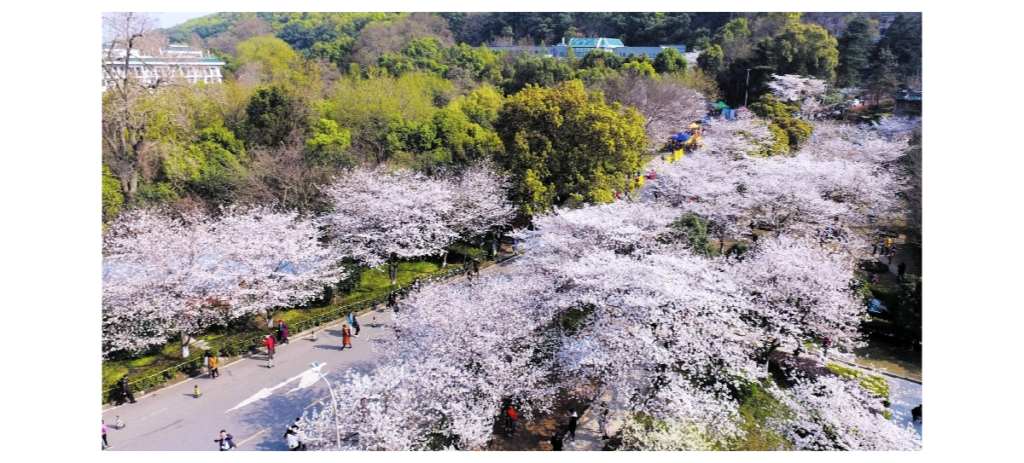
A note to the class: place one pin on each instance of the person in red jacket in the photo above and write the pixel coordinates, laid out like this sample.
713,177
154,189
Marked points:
511,417
346,337
269,342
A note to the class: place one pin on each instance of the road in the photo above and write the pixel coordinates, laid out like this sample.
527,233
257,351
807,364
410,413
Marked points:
252,402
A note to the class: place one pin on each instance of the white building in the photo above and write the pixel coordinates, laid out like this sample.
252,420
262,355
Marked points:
580,47
175,61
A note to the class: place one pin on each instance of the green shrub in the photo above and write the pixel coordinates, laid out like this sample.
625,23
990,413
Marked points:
464,252
875,384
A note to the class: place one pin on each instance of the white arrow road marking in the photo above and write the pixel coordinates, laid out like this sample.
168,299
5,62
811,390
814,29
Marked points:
306,378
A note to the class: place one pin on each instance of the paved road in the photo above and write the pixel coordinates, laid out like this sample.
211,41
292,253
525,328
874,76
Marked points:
903,396
252,402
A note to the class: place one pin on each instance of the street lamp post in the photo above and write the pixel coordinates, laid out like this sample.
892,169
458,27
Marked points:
746,91
317,367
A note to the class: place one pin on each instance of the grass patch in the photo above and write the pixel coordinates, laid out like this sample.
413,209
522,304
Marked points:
113,372
757,408
875,384
374,282
142,362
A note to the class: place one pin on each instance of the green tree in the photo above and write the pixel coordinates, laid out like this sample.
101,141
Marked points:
480,106
903,40
783,119
271,115
112,197
601,58
641,68
907,316
538,71
855,47
670,60
563,145
884,78
712,60
802,49
271,58
328,143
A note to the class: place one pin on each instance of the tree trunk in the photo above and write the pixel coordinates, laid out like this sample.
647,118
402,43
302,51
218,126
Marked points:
184,345
392,269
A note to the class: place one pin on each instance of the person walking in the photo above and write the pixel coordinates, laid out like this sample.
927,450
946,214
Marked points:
105,444
826,342
556,441
269,342
573,421
346,337
510,419
355,324
292,439
602,423
126,391
212,359
392,301
296,428
282,331
225,441
901,272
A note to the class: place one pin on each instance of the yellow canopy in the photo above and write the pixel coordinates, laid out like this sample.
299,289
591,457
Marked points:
693,125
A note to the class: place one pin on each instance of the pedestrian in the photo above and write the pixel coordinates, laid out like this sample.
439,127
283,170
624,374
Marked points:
296,428
282,330
556,441
392,302
346,337
515,244
269,342
888,245
206,363
826,342
105,444
510,418
126,391
476,266
212,359
602,422
901,272
573,421
351,318
494,249
292,439
355,324
225,441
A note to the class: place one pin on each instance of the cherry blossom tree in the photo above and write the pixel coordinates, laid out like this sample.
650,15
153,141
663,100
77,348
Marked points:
381,217
180,274
834,413
790,88
464,350
800,290
480,203
160,277
277,257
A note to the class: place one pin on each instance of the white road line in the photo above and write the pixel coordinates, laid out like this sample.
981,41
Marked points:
158,411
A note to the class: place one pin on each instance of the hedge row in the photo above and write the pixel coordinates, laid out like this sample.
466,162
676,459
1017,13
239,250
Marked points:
245,343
